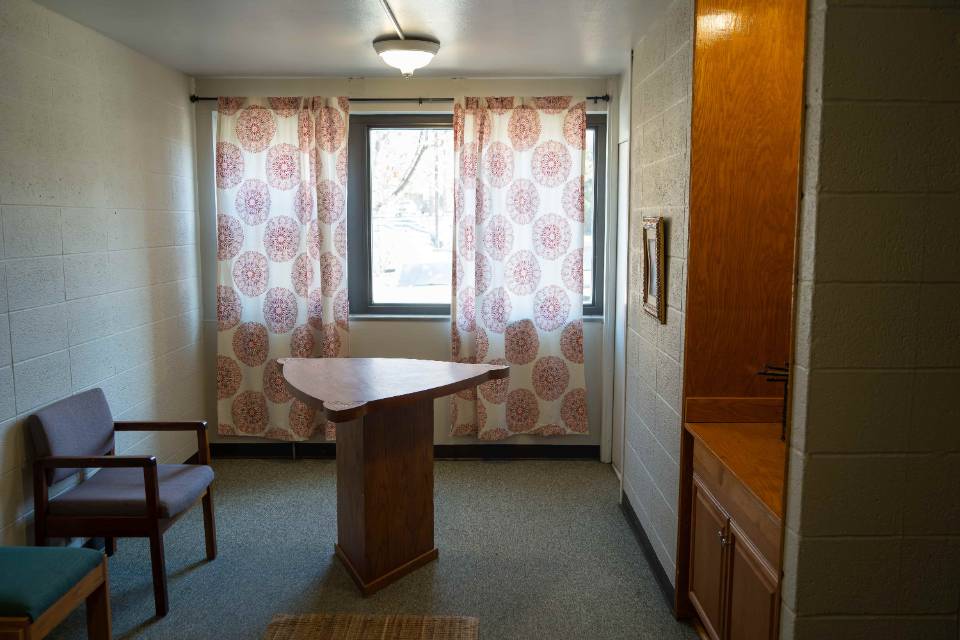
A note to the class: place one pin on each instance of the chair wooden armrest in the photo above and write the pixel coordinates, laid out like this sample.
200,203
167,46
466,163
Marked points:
200,426
160,425
94,462
151,482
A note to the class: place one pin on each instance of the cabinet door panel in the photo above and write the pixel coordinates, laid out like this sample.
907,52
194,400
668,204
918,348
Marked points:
753,606
708,531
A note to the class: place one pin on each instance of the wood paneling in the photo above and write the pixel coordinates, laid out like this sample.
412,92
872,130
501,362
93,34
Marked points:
733,409
744,168
682,606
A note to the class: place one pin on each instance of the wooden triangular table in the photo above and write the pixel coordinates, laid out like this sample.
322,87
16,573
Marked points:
384,411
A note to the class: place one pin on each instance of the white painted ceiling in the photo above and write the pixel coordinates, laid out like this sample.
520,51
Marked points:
479,38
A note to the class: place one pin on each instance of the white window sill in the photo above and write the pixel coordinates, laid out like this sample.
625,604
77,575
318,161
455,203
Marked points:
363,317
428,318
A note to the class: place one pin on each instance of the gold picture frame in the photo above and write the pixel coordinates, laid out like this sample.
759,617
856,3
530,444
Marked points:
654,301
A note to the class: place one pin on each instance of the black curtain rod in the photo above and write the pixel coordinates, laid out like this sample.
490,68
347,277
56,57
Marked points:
196,98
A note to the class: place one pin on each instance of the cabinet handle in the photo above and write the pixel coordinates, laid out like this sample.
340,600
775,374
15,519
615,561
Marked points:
724,540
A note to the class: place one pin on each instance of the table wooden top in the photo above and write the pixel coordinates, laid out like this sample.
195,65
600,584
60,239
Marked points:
347,388
752,451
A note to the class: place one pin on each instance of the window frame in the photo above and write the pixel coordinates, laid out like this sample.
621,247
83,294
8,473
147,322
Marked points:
360,274
360,271
598,122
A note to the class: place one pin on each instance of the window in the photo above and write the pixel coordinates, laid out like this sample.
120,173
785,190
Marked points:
401,214
593,214
400,205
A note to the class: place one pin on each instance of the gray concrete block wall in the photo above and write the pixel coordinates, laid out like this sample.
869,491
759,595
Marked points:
660,177
99,277
872,546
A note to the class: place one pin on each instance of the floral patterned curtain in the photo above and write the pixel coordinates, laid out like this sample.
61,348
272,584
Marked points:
518,267
281,174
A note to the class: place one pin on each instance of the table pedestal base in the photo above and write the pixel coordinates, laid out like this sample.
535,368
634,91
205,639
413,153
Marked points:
385,494
368,588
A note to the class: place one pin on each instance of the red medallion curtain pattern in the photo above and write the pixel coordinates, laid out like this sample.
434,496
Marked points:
281,174
518,265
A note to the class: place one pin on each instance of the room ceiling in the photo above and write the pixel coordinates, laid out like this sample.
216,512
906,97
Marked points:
479,38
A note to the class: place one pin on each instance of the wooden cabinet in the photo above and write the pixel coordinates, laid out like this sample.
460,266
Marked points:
745,151
734,547
752,606
708,532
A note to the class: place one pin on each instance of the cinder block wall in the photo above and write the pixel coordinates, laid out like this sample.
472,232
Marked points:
659,186
99,266
872,547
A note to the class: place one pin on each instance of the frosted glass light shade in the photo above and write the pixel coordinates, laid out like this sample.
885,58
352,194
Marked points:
406,55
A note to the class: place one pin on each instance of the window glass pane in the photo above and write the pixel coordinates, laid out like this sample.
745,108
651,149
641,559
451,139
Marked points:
588,186
411,211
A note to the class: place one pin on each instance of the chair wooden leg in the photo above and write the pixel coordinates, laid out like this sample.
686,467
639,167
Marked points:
39,532
159,573
98,613
109,546
209,525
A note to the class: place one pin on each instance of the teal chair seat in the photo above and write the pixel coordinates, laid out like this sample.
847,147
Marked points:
32,579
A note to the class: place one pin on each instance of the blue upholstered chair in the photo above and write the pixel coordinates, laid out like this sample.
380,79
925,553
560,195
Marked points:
131,496
40,587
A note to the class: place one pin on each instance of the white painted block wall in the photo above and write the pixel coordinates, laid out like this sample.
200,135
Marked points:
872,545
99,278
660,178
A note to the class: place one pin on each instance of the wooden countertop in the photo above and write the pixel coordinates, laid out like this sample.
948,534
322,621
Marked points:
752,451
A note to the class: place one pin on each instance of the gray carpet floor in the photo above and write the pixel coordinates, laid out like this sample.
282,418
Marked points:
534,549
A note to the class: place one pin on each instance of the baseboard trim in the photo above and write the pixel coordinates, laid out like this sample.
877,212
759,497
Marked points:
285,450
328,451
666,587
516,451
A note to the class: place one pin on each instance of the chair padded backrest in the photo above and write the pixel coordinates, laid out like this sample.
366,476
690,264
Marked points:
80,425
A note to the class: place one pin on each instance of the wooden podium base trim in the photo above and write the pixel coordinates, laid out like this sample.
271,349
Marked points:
369,588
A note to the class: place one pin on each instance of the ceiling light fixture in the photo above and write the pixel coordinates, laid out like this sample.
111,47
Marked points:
408,54
401,52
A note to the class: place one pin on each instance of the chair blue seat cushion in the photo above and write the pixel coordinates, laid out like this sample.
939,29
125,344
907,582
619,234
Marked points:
119,492
32,579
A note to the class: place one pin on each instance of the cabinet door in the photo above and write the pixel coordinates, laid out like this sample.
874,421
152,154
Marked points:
708,534
753,605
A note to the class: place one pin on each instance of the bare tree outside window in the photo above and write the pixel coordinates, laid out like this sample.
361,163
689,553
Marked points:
411,212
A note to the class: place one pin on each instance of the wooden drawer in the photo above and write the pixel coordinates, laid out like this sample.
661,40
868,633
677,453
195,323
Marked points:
757,522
